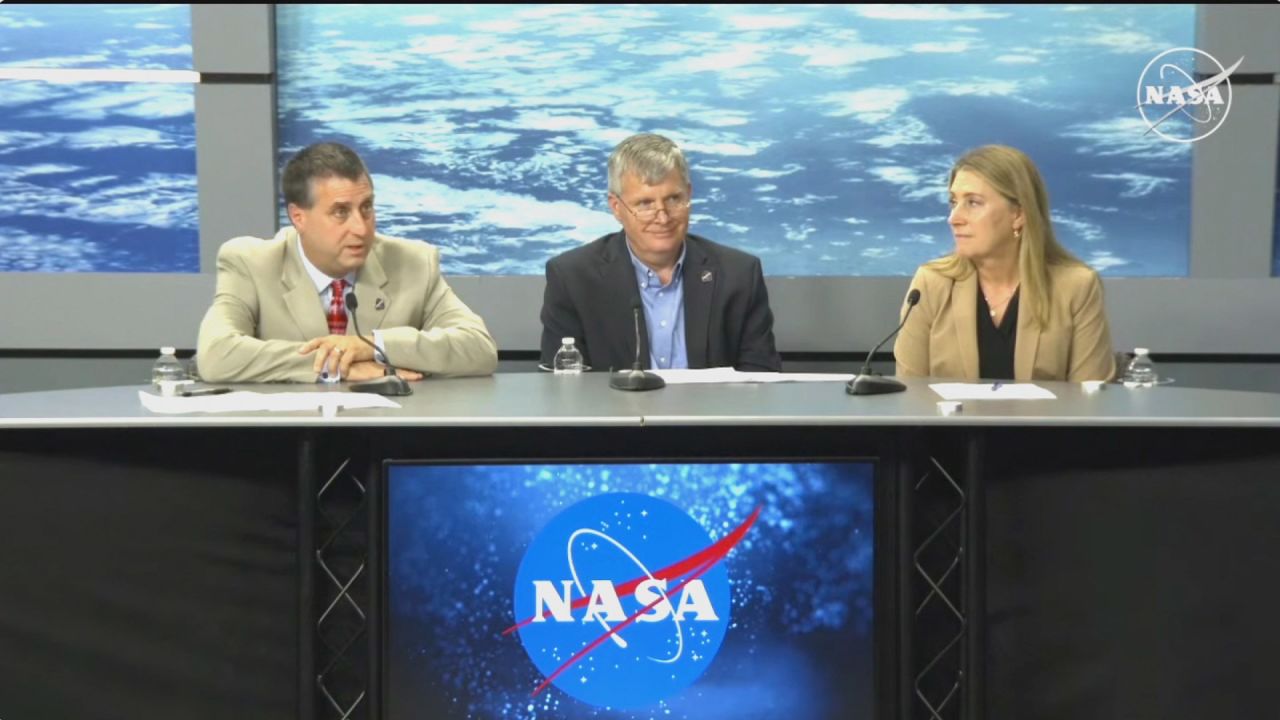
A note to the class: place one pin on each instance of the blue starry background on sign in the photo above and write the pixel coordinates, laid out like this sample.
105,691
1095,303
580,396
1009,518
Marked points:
799,642
660,658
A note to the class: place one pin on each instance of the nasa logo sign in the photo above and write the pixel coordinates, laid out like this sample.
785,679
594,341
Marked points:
622,600
1167,88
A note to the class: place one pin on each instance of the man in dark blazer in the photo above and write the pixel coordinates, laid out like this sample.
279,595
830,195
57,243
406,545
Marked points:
701,304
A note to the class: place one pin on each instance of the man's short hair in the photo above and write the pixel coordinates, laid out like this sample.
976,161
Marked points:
651,157
316,162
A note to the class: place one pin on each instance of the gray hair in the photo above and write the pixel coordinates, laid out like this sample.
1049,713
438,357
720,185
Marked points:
651,157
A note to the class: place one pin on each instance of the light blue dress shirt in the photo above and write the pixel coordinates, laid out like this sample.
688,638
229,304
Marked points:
663,314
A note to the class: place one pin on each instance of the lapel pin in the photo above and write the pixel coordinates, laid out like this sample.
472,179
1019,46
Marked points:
379,304
706,276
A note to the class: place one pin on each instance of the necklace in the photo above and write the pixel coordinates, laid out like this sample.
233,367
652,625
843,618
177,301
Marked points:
993,307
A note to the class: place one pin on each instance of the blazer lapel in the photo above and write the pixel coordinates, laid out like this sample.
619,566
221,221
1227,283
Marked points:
699,279
620,294
374,300
1028,342
300,294
964,313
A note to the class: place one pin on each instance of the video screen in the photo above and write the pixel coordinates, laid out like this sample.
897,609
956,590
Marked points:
629,591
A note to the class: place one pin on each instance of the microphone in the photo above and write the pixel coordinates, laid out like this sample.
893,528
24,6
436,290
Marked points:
868,383
636,379
390,383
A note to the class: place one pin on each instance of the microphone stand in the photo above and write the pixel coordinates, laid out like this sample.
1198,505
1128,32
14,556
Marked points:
390,383
868,383
636,379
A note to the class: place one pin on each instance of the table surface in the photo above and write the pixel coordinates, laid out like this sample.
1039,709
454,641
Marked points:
542,399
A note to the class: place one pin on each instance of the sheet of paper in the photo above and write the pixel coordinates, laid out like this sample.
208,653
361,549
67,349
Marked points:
729,375
991,391
263,402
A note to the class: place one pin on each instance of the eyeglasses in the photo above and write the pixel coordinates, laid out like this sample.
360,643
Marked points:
648,212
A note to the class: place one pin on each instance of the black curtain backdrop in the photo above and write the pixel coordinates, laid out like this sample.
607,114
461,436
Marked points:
152,573
148,574
1133,574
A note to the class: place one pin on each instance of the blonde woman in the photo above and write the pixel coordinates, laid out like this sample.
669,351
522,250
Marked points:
1009,303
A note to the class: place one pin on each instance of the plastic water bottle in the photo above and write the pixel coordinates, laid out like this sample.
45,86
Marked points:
568,359
168,372
1141,372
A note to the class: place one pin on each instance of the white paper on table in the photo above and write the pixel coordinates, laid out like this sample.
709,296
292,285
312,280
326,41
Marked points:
729,375
244,401
991,391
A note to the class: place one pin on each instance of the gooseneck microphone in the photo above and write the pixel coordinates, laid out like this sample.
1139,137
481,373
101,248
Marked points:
390,383
868,383
636,379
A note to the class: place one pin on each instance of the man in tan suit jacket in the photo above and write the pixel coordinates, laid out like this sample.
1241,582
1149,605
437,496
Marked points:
268,318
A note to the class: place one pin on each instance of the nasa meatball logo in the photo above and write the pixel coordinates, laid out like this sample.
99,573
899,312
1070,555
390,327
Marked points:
1168,89
622,600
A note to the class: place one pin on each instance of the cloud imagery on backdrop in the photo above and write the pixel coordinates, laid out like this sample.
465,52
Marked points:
820,137
97,176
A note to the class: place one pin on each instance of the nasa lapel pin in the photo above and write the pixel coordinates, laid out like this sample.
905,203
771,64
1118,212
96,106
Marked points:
379,304
706,276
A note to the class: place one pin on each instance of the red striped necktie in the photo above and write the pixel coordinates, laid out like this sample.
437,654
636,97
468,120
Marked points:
338,308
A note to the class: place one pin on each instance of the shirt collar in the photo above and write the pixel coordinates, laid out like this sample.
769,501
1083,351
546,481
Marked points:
322,281
643,271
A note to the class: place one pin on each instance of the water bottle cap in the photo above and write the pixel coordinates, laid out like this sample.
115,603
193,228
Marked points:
566,341
167,350
1141,351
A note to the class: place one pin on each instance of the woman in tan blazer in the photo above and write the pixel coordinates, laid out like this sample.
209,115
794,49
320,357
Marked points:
1010,302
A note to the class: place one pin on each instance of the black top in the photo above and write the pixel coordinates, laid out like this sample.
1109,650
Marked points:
995,344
